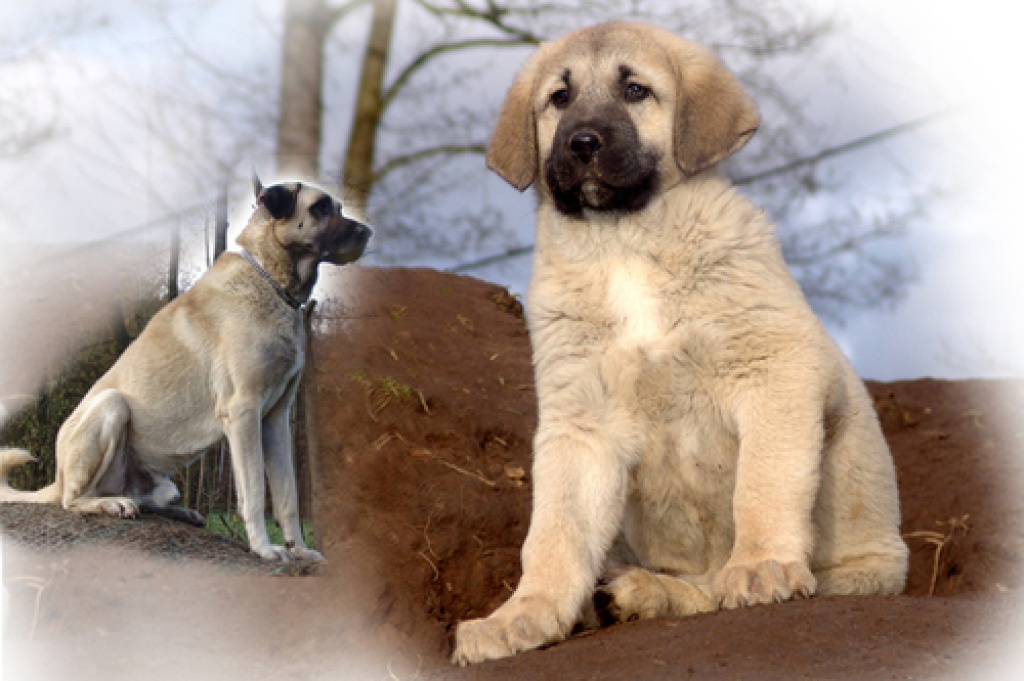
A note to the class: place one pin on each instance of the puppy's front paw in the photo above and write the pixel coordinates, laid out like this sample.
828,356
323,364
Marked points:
521,624
631,594
767,581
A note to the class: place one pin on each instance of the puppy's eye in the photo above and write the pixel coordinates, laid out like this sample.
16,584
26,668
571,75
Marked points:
636,93
560,98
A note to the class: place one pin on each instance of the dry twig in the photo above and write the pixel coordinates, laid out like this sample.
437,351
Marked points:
459,469
940,542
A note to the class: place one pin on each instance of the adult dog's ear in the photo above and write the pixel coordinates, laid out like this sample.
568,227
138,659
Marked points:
279,200
714,116
257,186
513,149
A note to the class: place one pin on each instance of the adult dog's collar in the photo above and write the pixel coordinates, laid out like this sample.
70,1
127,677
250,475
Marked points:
278,289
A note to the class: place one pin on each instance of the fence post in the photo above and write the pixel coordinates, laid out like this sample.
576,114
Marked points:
307,463
220,229
172,270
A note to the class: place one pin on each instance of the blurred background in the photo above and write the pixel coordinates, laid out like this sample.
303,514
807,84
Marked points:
129,131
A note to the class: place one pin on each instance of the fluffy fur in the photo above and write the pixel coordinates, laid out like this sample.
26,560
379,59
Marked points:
702,442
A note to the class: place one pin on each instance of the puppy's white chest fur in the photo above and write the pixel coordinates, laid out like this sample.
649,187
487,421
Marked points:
634,305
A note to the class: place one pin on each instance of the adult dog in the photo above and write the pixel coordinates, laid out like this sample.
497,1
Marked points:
222,360
702,443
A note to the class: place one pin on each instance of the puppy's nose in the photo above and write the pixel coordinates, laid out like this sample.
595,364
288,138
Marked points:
584,145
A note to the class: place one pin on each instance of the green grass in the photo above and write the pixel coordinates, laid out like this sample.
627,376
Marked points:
385,390
231,526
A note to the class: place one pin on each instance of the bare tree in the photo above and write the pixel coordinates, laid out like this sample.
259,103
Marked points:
358,176
21,132
424,142
307,24
28,107
423,94
428,160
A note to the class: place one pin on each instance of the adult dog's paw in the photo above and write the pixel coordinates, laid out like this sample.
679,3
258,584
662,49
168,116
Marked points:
272,553
302,553
521,624
193,517
120,507
767,581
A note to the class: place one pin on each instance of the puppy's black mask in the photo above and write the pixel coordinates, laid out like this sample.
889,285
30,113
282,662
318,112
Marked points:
598,162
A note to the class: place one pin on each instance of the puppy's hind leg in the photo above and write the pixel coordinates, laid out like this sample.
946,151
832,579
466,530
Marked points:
635,593
884,572
88,445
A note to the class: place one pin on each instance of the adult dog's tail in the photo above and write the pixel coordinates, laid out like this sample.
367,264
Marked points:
11,458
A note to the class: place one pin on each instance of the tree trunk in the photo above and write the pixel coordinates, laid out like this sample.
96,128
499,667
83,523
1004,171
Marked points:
357,177
307,23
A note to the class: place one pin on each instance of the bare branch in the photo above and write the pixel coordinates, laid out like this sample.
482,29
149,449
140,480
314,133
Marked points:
852,145
442,150
494,15
230,79
491,259
424,58
336,14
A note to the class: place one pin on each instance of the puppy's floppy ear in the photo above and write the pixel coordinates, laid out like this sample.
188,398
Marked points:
279,200
714,116
513,149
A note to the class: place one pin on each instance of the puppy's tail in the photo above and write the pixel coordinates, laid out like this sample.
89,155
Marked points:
12,458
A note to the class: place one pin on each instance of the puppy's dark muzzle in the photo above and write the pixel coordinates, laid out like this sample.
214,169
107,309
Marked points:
598,162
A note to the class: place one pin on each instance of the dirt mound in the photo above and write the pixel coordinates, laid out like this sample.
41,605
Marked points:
957,451
423,413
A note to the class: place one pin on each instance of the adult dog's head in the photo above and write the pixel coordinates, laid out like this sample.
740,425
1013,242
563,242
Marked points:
609,115
308,223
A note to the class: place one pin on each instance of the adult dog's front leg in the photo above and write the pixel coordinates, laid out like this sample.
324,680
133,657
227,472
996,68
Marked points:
277,450
242,426
580,475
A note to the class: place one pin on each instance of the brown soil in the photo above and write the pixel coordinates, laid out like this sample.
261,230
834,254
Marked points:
423,414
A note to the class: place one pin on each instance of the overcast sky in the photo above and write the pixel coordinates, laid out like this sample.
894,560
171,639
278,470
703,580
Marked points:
912,58
964,317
